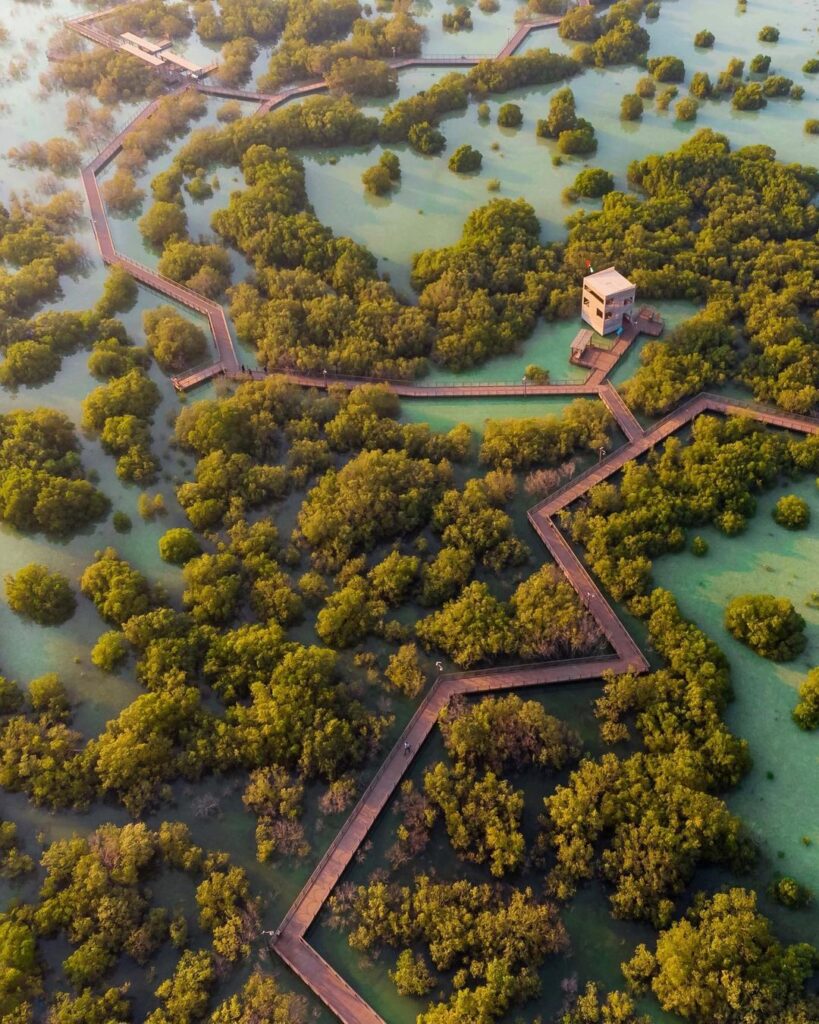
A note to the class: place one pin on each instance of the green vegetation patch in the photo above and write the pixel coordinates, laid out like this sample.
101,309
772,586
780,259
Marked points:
769,625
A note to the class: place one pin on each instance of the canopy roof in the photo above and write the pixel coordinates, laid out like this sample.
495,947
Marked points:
608,282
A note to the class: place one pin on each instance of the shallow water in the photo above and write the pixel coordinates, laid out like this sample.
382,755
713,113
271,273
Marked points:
489,33
428,208
783,811
30,650
445,413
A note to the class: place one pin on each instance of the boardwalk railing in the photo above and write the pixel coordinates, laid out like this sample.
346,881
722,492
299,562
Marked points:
434,385
444,56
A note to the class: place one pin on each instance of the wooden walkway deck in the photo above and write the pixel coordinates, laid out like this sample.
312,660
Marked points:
601,361
523,32
412,389
626,419
232,93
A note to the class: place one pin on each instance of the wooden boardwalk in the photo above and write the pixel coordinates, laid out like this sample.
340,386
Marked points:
227,362
522,33
411,389
601,361
674,421
626,419
290,941
215,314
416,61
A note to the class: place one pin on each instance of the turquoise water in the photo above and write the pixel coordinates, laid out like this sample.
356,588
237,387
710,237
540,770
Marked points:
445,413
489,33
427,210
779,811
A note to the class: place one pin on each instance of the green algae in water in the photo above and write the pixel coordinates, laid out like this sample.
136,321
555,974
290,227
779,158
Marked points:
444,413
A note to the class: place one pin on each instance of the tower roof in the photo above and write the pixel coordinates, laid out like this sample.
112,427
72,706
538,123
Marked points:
608,282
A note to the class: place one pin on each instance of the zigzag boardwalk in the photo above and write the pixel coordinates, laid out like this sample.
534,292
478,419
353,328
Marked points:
688,411
517,39
215,314
227,362
290,941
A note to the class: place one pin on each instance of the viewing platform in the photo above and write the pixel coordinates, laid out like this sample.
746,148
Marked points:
582,341
601,361
156,55
650,321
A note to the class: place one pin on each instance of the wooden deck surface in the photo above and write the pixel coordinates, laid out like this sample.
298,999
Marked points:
626,419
